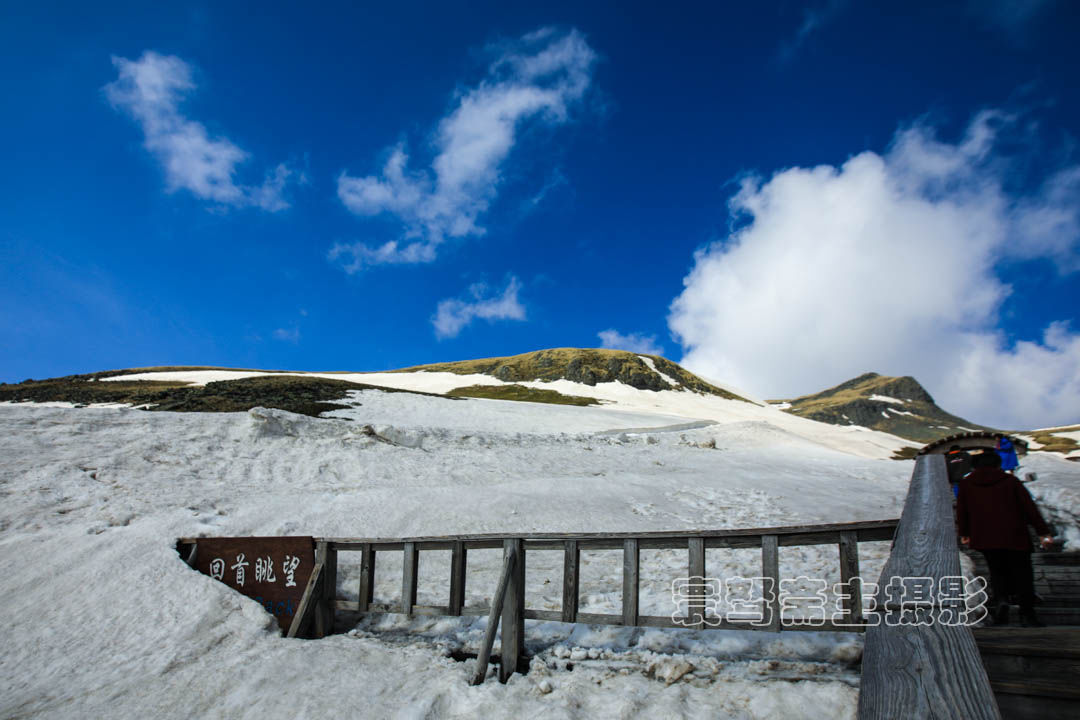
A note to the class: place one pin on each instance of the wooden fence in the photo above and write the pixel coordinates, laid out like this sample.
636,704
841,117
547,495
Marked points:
315,615
927,670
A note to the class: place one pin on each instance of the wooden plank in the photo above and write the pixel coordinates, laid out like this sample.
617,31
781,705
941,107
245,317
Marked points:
509,560
543,614
395,609
849,573
770,570
631,581
303,617
924,670
571,561
476,610
347,605
458,565
513,611
367,577
319,600
696,605
329,590
410,566
599,619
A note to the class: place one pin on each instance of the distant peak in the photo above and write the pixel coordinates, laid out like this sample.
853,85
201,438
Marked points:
897,405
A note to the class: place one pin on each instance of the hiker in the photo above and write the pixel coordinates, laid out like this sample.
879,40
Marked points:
958,463
1005,449
993,511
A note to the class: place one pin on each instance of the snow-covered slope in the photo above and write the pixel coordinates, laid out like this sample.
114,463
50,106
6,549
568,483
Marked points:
104,619
679,406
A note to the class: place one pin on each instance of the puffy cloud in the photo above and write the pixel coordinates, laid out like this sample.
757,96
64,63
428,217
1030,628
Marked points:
537,79
453,315
151,89
634,342
888,263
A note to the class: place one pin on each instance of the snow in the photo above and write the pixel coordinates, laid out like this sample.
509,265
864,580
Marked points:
886,398
681,405
106,620
650,364
1075,435
433,382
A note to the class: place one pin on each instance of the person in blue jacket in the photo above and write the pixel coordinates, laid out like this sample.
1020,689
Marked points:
1005,449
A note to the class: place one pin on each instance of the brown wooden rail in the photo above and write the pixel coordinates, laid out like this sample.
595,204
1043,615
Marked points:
928,670
316,613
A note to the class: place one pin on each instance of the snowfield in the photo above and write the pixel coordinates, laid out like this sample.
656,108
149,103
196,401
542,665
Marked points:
614,395
105,619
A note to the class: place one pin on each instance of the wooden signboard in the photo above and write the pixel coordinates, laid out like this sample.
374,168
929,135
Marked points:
271,570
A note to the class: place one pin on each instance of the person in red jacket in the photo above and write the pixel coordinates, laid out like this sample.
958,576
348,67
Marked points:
993,511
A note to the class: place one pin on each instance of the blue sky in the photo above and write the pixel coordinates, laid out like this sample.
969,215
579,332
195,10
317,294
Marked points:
780,195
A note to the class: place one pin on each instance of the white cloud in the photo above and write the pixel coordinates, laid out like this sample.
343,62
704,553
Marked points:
888,263
151,89
453,315
813,20
538,78
290,335
634,342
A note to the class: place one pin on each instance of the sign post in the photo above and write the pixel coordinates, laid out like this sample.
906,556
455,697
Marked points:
273,571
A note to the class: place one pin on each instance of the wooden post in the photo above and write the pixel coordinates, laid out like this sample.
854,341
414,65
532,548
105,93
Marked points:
408,577
308,603
324,599
458,565
696,606
934,670
330,590
631,581
770,570
193,554
849,573
367,576
513,612
571,560
493,620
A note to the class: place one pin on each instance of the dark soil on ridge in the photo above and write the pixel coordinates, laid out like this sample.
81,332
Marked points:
294,393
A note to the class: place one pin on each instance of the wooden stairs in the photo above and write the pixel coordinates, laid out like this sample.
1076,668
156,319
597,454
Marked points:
1035,672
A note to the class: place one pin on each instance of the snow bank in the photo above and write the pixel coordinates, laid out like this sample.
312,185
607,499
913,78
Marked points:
106,620
683,405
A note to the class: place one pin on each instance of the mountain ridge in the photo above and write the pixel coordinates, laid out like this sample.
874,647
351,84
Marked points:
896,405
588,366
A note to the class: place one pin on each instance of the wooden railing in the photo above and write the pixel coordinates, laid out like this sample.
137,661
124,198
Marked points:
320,603
924,670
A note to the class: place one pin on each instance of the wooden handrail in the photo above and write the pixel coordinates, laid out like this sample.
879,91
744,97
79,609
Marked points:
315,616
924,670
869,527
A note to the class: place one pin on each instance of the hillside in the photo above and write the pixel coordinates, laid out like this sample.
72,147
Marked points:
308,393
296,393
896,405
587,366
